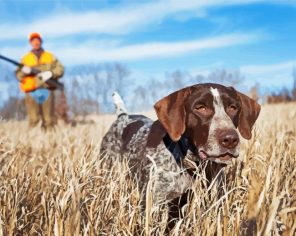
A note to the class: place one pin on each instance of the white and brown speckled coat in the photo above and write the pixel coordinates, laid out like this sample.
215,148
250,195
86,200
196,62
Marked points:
197,123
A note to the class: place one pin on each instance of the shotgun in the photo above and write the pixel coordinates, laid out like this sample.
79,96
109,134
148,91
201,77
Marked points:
51,82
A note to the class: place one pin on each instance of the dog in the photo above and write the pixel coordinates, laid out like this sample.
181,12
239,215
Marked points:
196,124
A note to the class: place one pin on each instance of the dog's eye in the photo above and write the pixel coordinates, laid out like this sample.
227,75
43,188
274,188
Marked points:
232,107
200,108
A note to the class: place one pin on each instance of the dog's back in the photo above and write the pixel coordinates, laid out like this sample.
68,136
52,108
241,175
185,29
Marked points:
123,132
135,138
126,130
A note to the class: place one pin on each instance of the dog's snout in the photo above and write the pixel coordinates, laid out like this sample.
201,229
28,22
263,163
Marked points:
228,138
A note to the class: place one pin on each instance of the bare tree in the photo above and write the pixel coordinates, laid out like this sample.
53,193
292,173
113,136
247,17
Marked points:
91,86
226,77
254,91
139,99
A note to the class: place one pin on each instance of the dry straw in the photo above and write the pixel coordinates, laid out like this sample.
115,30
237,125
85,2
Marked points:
57,184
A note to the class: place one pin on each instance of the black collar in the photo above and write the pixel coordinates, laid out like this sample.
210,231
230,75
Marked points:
178,149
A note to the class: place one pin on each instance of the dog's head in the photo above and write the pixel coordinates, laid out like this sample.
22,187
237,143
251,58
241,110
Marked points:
209,115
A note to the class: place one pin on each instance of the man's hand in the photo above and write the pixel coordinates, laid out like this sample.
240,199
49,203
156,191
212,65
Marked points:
26,70
45,75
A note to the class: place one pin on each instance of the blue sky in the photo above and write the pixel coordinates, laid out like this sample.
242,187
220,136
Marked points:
258,37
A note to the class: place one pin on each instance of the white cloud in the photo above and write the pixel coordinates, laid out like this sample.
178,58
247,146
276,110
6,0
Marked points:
115,21
269,68
106,51
90,52
276,75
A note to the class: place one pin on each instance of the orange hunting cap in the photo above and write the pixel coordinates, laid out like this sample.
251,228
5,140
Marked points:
34,35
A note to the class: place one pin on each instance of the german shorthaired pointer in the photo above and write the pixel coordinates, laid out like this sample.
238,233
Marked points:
195,124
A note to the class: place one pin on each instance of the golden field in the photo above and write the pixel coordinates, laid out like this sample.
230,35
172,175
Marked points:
54,184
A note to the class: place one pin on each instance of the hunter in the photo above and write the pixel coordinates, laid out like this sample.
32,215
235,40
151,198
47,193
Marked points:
40,100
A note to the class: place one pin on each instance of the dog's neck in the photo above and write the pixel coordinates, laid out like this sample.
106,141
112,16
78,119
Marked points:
186,155
178,149
184,152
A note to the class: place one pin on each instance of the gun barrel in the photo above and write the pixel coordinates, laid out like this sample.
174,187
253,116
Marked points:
55,83
10,60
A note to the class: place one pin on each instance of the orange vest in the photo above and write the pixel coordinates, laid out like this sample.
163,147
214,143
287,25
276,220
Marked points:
30,59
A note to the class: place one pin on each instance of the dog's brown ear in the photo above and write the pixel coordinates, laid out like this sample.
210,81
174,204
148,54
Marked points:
171,113
249,113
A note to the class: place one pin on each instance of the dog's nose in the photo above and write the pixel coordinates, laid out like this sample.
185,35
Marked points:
228,139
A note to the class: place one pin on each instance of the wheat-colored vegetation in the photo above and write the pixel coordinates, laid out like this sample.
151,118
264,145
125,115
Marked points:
53,184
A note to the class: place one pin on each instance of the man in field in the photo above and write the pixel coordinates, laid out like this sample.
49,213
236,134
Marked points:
39,99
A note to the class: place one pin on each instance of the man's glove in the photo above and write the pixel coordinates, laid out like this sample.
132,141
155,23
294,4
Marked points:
26,70
45,75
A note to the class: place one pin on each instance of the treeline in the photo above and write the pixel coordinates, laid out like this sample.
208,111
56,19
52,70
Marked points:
284,95
89,89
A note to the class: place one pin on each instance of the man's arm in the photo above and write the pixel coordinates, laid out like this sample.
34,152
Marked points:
22,71
19,74
57,69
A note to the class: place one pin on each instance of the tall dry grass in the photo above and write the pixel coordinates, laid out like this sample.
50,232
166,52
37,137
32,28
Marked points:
54,184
